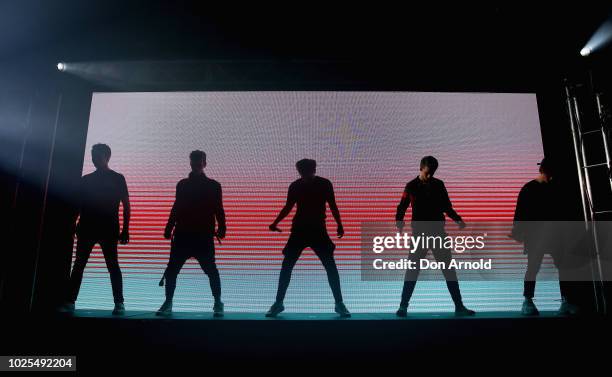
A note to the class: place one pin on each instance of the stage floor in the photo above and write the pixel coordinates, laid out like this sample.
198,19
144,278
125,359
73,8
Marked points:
144,340
146,315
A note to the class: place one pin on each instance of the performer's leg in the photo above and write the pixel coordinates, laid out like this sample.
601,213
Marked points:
292,252
109,249
206,258
83,250
325,252
534,261
175,263
450,274
411,276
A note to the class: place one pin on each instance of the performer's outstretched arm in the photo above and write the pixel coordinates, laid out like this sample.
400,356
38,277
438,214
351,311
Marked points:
291,200
449,210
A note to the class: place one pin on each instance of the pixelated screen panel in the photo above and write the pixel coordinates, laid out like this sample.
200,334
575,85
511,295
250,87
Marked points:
368,144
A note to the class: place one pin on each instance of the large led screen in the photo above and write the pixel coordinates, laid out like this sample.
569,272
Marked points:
368,144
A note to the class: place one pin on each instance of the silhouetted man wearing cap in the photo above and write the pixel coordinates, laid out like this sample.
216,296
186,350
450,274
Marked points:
191,226
310,193
430,202
537,209
100,194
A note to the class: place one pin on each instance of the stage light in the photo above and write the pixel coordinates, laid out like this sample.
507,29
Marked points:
600,39
61,66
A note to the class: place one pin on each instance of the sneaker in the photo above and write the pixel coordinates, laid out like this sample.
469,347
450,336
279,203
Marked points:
218,309
67,307
529,308
119,309
567,309
165,309
275,309
462,311
342,310
402,312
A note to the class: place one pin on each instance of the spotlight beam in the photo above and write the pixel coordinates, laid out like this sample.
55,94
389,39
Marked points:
600,39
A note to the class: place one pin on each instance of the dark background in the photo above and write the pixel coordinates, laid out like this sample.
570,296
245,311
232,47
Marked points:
182,45
196,46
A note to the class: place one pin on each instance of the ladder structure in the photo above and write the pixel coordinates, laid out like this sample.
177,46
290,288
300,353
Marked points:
591,140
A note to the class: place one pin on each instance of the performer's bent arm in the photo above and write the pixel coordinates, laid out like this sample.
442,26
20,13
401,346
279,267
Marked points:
124,238
333,207
220,215
518,225
401,209
78,206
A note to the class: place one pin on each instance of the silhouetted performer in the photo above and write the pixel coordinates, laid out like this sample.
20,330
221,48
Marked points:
99,196
311,193
537,208
198,203
430,202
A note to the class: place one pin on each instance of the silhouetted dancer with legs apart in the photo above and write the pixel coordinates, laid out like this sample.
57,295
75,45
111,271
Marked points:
311,193
198,204
537,209
430,202
99,196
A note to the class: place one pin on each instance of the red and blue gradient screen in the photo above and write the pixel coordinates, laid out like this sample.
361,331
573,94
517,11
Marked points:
368,144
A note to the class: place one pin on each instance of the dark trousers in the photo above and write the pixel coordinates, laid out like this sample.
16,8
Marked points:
323,247
441,255
200,247
84,247
534,262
